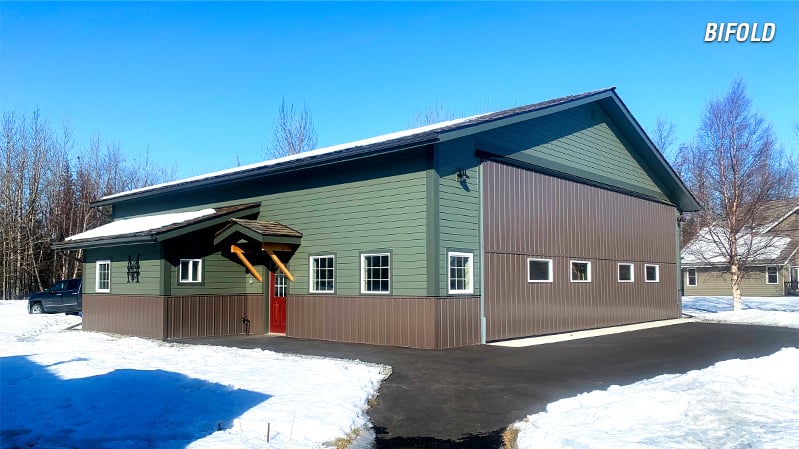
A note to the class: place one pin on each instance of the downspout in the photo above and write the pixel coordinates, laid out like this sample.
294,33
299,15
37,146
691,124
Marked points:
482,256
678,240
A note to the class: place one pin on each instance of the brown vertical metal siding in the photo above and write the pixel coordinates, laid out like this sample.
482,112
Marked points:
528,214
141,316
173,317
416,322
210,316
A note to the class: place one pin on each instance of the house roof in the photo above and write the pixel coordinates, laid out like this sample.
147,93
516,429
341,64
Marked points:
435,133
760,249
153,228
259,231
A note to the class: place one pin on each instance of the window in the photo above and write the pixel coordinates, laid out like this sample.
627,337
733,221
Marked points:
539,270
376,273
103,284
652,273
323,274
280,285
460,273
190,271
625,272
580,271
691,277
771,275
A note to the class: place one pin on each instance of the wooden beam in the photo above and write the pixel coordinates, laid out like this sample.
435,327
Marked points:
277,246
280,265
240,253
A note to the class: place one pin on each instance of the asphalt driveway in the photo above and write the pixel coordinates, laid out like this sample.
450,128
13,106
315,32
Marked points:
465,397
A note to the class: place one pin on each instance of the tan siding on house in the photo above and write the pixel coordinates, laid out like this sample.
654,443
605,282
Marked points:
140,316
713,282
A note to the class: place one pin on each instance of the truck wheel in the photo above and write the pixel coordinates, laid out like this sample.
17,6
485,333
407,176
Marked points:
37,307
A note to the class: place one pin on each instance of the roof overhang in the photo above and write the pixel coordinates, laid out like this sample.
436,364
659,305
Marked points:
259,232
609,101
220,216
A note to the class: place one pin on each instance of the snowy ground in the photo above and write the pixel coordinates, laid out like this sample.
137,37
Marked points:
61,388
732,404
776,311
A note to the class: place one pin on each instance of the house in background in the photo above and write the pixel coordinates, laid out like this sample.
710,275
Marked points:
773,250
546,218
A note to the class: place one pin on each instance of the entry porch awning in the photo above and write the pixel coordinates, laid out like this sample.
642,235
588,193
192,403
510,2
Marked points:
254,236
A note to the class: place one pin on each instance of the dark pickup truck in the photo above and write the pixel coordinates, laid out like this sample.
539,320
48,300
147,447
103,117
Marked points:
65,296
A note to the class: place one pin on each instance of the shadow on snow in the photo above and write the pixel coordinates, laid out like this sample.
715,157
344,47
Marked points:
130,408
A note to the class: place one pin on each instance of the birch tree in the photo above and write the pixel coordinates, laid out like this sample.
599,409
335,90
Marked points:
734,168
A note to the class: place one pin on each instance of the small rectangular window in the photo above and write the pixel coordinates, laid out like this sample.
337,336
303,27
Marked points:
652,273
772,276
323,274
691,277
580,271
626,272
103,284
539,270
460,273
376,273
190,271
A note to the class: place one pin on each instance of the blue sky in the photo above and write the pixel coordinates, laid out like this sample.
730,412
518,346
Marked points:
200,83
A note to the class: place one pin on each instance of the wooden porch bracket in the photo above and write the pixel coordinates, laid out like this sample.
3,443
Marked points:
279,264
240,254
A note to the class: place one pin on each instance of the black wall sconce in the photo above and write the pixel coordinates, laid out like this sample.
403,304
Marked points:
462,175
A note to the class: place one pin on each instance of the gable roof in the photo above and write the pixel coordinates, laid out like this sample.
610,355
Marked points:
154,228
435,133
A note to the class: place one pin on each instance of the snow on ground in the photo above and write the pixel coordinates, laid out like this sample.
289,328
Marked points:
774,311
732,404
65,388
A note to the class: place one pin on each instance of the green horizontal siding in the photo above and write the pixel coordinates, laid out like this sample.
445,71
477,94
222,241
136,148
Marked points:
458,207
149,274
582,142
371,204
375,213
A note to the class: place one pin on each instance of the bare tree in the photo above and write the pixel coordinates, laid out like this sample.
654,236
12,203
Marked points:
45,197
292,133
734,168
431,115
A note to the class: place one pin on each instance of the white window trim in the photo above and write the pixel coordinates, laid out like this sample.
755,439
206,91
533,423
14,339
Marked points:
588,262
657,272
363,274
778,275
550,274
469,280
191,271
311,278
688,277
97,276
632,272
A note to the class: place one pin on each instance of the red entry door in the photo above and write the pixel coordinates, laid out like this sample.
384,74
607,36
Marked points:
277,303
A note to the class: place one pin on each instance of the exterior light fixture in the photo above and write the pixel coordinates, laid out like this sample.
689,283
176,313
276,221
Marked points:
462,175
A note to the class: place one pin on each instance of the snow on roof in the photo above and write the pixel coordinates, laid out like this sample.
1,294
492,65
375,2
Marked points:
306,154
140,224
708,247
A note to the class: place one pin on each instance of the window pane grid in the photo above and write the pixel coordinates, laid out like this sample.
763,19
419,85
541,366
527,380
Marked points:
460,273
322,274
376,272
103,276
280,285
